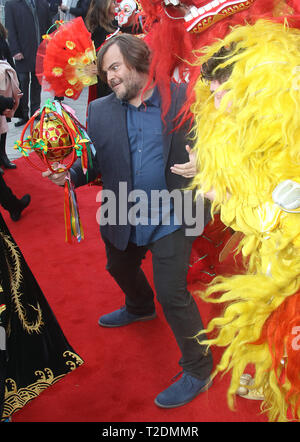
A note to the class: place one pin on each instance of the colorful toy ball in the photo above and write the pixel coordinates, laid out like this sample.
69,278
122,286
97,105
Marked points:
55,135
58,139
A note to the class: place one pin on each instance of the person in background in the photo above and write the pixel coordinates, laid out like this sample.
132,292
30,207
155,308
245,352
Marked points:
10,202
67,16
53,7
26,22
8,199
102,21
128,17
80,10
33,347
5,55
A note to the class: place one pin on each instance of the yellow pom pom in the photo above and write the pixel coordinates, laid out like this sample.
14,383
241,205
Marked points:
69,92
57,71
70,45
85,60
72,61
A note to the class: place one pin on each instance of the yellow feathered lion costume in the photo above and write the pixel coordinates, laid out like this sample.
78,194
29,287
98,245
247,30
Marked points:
244,150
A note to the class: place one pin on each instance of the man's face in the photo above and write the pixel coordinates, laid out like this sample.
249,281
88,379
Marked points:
214,85
125,82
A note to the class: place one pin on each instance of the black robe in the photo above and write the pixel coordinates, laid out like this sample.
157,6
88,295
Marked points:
34,353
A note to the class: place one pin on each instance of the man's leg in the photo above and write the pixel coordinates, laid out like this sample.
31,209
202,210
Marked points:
10,202
125,268
35,94
8,199
24,86
171,256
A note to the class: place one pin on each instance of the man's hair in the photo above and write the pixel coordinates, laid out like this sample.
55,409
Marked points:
134,50
210,70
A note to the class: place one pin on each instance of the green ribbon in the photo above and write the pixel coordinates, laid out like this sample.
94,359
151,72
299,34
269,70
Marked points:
40,144
49,104
21,149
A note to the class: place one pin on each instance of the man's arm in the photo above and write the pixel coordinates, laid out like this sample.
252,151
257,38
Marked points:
10,25
77,175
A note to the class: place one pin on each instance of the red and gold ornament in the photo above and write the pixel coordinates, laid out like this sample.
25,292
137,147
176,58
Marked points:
58,139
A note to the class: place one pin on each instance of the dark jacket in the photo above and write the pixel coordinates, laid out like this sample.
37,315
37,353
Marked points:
5,52
19,22
53,6
6,103
108,131
81,8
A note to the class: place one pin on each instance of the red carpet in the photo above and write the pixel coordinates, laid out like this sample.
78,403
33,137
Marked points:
124,368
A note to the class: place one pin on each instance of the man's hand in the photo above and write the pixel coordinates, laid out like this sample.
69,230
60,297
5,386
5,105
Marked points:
8,113
210,195
91,69
58,178
19,56
63,8
187,170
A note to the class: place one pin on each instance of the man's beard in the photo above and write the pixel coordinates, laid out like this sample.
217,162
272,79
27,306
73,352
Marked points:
132,87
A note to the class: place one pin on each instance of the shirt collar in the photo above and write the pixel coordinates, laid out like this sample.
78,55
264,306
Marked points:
153,100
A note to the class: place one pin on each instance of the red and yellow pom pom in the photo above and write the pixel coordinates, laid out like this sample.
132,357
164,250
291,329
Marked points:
64,57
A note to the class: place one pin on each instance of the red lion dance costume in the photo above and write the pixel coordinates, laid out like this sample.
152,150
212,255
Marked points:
174,41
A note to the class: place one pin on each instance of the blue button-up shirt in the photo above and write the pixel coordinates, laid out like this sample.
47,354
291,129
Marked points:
144,127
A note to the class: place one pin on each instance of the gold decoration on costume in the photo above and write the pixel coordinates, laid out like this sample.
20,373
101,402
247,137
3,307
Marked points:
227,10
15,282
16,398
74,360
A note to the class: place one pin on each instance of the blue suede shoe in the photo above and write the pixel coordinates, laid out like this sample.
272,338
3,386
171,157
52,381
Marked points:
182,391
121,317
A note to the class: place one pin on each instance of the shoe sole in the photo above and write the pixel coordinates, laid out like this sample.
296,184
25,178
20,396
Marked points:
145,318
205,388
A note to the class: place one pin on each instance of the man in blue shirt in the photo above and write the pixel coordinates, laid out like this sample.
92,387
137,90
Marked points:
135,151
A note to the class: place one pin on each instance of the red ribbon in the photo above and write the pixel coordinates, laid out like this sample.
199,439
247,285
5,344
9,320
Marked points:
67,213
